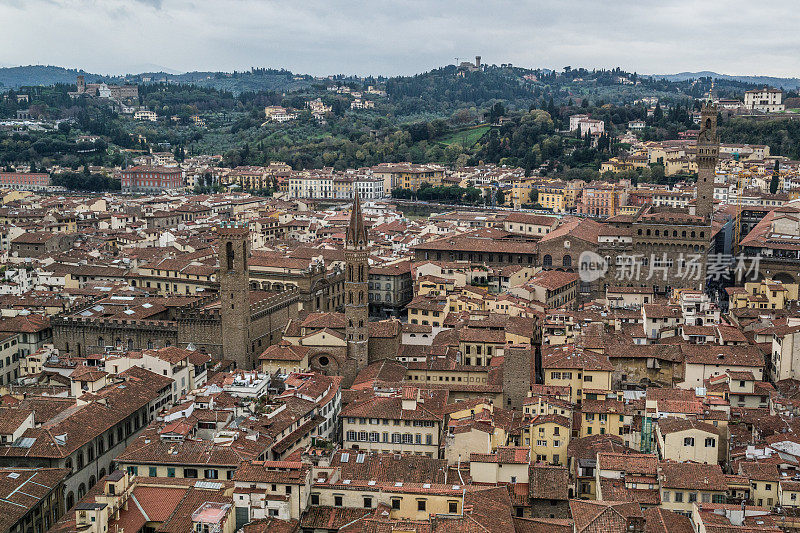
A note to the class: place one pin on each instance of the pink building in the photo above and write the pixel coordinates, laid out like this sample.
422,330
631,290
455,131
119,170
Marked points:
151,179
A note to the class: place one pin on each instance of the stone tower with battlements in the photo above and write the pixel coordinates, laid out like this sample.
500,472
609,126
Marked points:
707,153
234,250
356,290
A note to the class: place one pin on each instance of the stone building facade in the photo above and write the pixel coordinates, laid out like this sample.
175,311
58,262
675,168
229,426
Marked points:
319,288
234,251
236,324
518,365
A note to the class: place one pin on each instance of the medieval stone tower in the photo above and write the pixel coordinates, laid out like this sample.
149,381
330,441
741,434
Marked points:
234,249
707,152
356,289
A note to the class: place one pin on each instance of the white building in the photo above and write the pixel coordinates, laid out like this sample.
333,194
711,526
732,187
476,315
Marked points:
766,100
698,309
276,113
369,188
144,114
636,125
586,124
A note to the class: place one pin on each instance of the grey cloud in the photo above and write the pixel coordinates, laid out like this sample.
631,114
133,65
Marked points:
402,36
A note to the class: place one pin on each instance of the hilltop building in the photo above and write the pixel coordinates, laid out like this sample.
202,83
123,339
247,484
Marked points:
103,90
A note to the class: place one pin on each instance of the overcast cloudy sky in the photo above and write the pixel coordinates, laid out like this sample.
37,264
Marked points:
402,36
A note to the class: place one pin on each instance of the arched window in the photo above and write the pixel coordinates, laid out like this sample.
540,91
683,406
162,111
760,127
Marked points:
566,261
361,297
70,499
229,254
130,344
547,261
100,342
350,296
360,272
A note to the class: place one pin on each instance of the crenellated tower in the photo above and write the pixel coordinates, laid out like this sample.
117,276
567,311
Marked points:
707,153
234,292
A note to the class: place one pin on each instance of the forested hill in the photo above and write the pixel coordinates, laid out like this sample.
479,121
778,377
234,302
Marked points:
785,83
441,86
235,82
15,77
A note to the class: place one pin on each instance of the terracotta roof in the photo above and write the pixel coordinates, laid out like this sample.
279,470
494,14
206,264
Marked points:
331,518
712,354
158,503
271,525
571,356
759,471
542,525
692,476
391,408
12,418
553,279
284,351
21,489
584,229
662,521
392,467
285,472
503,455
632,463
78,424
31,323
673,425
592,516
548,482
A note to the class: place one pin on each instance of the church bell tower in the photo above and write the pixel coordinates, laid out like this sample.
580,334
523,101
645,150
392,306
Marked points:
356,309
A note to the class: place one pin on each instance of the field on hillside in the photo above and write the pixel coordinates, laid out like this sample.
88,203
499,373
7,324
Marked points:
466,137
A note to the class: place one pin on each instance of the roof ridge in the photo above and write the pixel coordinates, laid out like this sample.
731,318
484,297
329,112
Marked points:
139,506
